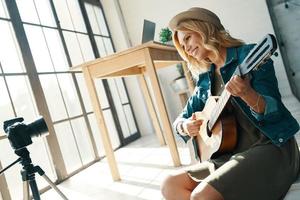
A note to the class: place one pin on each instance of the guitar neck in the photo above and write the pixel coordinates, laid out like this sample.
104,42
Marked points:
216,112
221,103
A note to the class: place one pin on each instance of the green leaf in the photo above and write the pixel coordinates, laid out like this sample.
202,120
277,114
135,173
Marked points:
165,35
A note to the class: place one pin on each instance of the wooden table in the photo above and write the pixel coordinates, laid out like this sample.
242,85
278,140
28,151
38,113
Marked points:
141,60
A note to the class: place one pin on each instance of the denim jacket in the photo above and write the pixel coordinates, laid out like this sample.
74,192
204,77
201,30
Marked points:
276,122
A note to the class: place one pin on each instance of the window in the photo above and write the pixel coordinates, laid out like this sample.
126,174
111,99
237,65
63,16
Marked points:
116,85
17,100
42,83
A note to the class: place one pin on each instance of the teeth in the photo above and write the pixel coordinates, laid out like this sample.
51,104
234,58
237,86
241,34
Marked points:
194,51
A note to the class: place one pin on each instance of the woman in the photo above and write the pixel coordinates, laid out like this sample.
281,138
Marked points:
265,160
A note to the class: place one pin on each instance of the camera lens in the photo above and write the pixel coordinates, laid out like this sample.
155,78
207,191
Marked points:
37,128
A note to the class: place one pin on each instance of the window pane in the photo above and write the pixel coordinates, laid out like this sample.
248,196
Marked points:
56,49
22,97
86,47
121,90
100,45
92,18
101,21
119,108
10,56
69,94
84,92
68,146
45,13
27,11
108,46
3,11
76,15
130,119
53,97
111,127
63,14
96,134
39,48
83,140
5,105
40,156
73,48
101,93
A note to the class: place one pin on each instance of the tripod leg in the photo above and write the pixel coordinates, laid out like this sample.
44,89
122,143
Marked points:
54,187
26,195
34,189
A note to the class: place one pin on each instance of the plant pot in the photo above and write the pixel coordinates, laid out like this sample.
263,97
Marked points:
170,43
179,84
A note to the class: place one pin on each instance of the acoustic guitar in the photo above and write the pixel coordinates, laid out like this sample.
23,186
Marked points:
218,130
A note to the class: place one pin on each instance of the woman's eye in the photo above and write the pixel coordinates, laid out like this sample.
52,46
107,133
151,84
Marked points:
187,38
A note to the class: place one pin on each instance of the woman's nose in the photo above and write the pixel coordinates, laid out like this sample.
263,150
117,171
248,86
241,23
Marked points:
188,49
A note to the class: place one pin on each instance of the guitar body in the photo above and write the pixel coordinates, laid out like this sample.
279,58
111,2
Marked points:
223,136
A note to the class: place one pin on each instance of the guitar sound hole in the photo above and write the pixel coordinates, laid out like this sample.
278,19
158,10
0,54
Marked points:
209,133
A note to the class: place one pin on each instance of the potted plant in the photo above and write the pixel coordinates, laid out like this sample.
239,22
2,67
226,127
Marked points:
165,35
180,83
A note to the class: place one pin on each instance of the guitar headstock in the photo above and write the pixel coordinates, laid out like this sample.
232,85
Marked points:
260,53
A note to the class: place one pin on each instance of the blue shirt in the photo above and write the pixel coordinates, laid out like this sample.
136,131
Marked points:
276,122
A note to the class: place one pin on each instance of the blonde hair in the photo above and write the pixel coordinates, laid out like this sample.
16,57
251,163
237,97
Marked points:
212,39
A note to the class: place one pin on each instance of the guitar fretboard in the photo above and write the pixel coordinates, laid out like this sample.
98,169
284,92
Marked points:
216,112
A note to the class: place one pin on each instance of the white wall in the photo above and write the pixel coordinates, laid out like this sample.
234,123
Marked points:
247,20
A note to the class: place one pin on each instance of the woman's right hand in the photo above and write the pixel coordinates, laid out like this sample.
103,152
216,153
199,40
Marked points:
191,126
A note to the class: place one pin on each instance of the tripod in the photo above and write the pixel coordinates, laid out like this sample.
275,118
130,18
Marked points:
28,175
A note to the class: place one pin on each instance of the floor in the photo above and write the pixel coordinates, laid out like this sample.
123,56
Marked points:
143,164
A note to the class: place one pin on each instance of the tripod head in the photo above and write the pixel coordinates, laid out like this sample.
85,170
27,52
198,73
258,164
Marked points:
25,159
28,170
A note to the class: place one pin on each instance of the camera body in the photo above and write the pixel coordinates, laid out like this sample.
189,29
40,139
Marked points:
19,134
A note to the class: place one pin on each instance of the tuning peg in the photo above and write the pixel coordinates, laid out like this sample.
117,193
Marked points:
275,54
286,5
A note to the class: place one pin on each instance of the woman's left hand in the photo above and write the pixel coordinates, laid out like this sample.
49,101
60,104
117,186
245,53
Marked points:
239,87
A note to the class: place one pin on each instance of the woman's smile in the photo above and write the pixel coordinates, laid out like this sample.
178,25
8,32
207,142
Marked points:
194,52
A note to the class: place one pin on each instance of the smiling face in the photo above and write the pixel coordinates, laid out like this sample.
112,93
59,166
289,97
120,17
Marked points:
191,43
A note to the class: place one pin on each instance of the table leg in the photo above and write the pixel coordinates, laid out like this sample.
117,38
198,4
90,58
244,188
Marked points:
101,125
150,68
4,192
151,110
